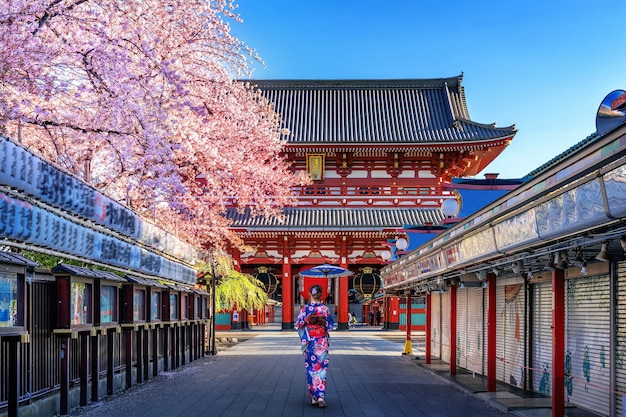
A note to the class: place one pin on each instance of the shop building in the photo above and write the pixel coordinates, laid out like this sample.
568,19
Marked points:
530,289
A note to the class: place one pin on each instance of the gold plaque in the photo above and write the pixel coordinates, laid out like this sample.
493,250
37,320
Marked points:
315,166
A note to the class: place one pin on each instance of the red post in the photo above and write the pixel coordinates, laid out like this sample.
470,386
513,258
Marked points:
428,326
342,313
453,350
342,308
409,313
393,315
408,347
288,319
558,342
491,333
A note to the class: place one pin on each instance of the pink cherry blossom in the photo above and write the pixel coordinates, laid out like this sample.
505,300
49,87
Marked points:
139,98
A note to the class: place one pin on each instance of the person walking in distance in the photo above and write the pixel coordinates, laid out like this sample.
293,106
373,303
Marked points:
378,317
313,324
371,317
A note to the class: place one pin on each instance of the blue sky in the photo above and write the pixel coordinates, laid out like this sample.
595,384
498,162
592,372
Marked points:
542,65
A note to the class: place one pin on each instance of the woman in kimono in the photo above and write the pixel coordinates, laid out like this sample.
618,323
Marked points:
313,324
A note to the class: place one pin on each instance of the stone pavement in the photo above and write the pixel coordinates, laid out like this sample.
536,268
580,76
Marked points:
263,375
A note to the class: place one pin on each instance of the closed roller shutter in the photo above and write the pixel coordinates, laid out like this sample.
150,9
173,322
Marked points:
435,323
510,334
461,327
620,353
445,326
587,349
476,325
486,327
541,346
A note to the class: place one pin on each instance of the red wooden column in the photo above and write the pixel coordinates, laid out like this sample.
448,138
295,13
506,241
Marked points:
392,320
428,326
342,307
236,255
287,292
558,342
491,333
453,349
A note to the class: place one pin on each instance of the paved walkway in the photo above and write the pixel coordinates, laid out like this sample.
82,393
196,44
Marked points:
264,376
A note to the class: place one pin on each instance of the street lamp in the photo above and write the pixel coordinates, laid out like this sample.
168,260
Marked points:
401,244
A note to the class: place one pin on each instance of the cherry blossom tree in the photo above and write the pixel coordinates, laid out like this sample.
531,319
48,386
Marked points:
141,99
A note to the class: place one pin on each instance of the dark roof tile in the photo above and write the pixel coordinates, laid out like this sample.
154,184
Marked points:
87,272
310,219
376,111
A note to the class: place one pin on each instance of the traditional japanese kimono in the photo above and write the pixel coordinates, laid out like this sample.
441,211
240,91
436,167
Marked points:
313,324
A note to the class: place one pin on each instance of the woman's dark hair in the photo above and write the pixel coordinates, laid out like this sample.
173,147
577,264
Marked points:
316,291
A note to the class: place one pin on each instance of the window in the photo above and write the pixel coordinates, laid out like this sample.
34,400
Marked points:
203,310
198,307
139,305
80,303
8,300
173,306
108,304
369,190
155,303
184,301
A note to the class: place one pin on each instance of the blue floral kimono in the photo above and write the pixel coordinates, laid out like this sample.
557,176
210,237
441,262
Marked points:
315,342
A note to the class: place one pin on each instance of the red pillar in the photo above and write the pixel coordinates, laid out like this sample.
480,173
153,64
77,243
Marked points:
342,307
453,349
428,326
236,255
287,294
409,315
393,315
491,333
558,342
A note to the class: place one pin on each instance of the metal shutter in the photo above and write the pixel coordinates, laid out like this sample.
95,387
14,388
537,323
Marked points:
445,327
461,327
476,324
435,323
587,349
510,334
620,353
541,347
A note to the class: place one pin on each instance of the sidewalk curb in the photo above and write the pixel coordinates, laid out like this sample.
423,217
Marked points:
495,405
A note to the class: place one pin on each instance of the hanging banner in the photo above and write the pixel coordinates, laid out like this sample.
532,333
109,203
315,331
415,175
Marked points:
31,175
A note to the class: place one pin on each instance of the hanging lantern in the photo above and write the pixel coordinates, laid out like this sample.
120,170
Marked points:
268,279
366,283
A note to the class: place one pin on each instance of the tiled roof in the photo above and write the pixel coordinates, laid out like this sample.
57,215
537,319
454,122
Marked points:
143,281
16,259
87,272
569,151
316,219
376,111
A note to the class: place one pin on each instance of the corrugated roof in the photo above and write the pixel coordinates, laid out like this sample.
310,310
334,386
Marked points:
376,111
337,219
